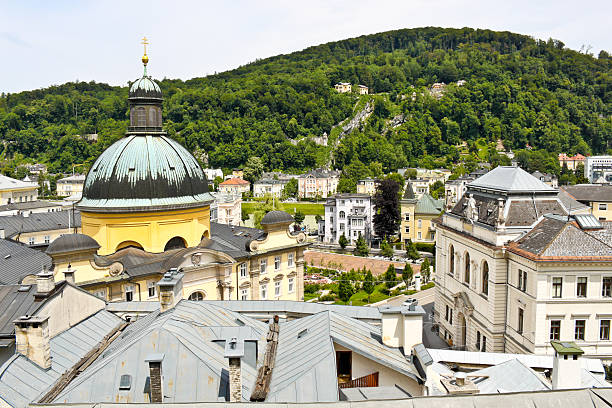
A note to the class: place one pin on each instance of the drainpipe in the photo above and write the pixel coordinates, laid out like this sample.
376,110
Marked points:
507,297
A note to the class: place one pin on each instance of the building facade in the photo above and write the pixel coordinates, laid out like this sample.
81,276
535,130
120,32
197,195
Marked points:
348,214
476,274
272,187
343,87
366,186
16,191
572,162
318,184
235,186
71,185
417,216
598,169
226,209
598,197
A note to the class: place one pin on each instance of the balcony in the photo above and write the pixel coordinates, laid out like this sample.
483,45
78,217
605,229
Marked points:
370,380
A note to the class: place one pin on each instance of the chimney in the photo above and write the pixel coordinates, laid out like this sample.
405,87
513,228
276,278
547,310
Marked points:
170,289
69,275
459,384
155,377
402,326
2,236
234,351
567,365
44,283
32,339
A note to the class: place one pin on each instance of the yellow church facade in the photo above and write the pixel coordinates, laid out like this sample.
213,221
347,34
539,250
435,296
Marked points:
145,210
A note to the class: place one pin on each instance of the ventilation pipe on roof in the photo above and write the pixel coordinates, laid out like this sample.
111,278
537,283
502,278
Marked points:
44,283
402,326
155,377
567,365
32,339
69,275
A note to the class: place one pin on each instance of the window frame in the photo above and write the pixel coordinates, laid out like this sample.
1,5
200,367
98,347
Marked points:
582,328
151,285
521,320
290,260
555,330
605,327
606,286
277,263
291,285
277,289
263,291
581,287
557,285
263,266
243,270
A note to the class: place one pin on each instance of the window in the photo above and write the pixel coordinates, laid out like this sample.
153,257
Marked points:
604,330
451,260
520,320
129,293
446,313
101,293
151,288
277,288
557,287
47,239
419,223
407,217
264,291
581,287
466,277
141,117
579,330
342,215
196,296
290,260
555,329
244,294
606,286
407,230
603,207
477,340
419,235
263,265
342,227
484,344
291,285
450,315
31,241
277,261
485,278
522,280
243,270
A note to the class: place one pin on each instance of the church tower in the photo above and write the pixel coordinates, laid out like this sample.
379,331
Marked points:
145,190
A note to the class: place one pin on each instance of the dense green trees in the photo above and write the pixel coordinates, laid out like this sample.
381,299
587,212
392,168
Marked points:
519,90
386,205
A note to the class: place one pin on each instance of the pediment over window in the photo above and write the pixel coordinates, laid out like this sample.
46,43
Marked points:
463,303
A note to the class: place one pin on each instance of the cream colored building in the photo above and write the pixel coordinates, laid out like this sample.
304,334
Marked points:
597,196
343,87
366,186
71,185
481,246
417,216
16,191
362,89
318,183
234,186
226,209
39,229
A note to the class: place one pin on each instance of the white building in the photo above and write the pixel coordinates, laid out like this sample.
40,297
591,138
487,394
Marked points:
226,209
454,190
510,279
72,185
348,214
16,191
269,186
212,174
367,186
318,183
598,169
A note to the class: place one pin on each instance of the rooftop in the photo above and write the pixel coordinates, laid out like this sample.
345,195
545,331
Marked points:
510,179
590,192
8,183
45,221
18,261
234,181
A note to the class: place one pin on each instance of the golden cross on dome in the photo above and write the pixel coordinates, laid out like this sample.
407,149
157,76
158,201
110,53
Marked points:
145,42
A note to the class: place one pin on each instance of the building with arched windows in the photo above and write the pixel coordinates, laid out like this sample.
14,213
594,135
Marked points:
145,210
519,264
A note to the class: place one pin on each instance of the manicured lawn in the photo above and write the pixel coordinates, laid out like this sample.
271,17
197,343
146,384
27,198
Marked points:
361,298
308,296
305,208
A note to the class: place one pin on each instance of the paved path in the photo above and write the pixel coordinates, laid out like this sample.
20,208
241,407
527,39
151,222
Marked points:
347,262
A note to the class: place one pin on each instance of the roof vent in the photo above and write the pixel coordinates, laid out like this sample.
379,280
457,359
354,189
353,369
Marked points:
302,333
7,256
24,288
126,382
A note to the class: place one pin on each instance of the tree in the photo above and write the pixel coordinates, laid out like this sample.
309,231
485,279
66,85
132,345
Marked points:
298,217
386,203
425,270
368,284
343,241
437,189
361,247
386,249
411,251
407,274
218,180
345,288
253,169
390,277
291,189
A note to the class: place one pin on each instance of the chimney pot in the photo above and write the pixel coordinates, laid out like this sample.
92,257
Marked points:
44,282
69,275
170,289
32,339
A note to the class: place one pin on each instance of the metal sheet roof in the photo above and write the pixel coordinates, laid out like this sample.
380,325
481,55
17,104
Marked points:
35,222
509,376
22,381
512,180
18,261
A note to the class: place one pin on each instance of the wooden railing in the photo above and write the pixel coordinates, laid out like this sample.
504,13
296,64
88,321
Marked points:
370,380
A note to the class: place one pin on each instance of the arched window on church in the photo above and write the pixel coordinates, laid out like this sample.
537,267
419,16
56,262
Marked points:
175,243
485,278
159,117
152,117
197,296
468,268
141,117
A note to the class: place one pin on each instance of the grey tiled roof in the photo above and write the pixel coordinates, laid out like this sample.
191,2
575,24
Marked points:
510,179
71,242
29,205
49,221
18,261
590,192
15,301
22,381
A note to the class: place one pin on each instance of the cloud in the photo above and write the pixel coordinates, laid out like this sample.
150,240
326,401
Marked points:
14,39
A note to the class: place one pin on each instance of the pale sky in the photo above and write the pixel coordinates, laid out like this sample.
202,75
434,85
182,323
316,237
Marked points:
45,42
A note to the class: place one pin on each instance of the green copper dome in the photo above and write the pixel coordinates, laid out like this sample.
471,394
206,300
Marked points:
145,87
144,173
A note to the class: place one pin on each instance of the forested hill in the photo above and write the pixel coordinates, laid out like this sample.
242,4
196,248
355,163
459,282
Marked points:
517,90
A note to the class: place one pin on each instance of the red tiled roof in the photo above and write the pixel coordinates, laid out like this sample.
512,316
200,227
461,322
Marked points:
234,182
